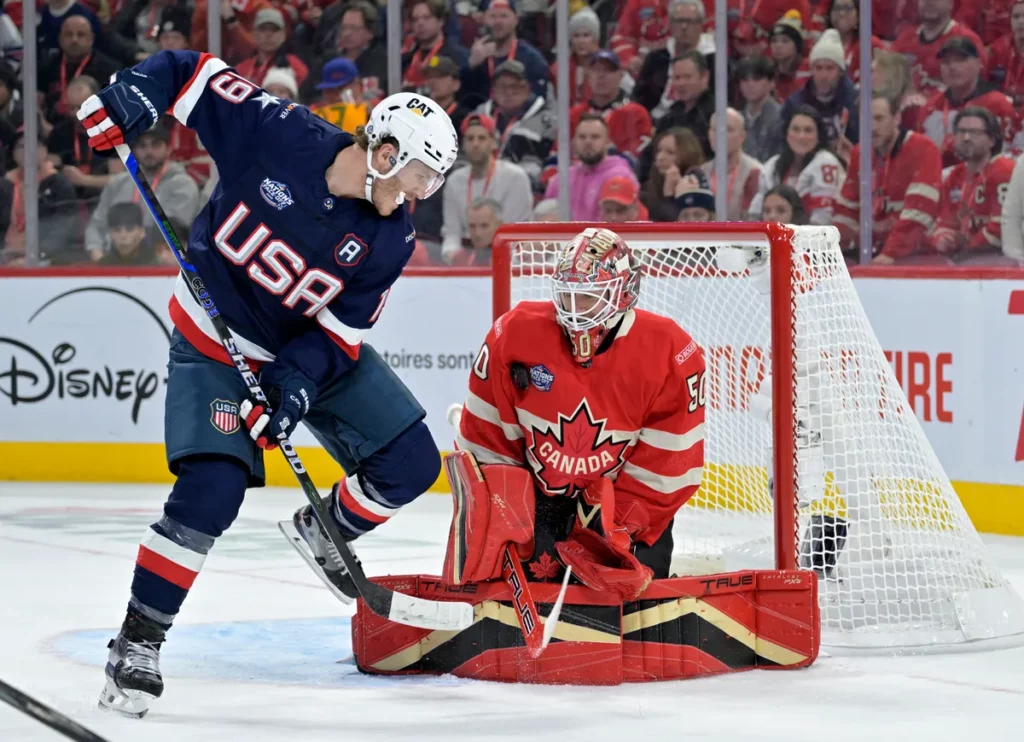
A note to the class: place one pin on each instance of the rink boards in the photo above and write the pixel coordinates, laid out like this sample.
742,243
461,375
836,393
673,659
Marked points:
83,368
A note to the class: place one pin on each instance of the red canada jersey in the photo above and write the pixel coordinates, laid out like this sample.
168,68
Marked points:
629,124
923,55
989,18
642,24
939,113
635,415
788,83
971,205
1006,69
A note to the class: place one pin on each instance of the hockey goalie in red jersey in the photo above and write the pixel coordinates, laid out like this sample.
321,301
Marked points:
596,409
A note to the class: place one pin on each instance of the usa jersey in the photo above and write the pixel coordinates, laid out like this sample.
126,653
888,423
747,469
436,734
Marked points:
294,270
636,415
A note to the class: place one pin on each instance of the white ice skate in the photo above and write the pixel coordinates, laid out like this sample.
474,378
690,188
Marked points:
133,669
308,538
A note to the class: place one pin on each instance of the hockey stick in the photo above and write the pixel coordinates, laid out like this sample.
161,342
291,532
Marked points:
46,715
395,606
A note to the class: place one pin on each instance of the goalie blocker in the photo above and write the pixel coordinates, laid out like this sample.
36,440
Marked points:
632,630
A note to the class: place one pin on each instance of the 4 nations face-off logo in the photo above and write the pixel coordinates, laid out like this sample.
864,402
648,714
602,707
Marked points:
576,451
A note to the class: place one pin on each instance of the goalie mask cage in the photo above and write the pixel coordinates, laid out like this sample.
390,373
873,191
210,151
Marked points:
813,459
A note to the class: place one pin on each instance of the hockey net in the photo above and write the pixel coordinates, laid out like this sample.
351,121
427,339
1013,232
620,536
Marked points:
813,457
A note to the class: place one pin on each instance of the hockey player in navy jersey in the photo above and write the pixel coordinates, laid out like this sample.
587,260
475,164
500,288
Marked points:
300,244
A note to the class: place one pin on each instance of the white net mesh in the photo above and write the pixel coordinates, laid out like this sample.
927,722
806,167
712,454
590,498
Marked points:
899,560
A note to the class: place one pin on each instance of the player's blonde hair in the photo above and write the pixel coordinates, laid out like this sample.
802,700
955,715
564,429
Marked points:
363,139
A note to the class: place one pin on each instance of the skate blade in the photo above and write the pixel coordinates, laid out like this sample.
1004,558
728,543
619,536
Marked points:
133,704
300,545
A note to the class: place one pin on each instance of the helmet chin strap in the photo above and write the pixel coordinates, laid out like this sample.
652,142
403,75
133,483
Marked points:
372,174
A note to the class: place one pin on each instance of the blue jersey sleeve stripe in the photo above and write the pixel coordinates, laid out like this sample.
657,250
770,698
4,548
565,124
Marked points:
189,96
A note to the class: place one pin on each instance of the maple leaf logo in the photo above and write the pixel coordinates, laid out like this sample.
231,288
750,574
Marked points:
545,568
576,453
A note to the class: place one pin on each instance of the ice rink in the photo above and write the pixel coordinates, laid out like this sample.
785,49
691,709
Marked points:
261,651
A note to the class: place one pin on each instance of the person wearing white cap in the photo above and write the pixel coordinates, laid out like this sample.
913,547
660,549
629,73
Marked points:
280,81
831,93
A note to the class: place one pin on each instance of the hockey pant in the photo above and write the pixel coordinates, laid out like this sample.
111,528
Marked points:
368,421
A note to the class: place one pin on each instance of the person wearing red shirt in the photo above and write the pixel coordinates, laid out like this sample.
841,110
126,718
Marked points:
584,40
787,49
989,18
629,124
906,174
971,204
237,17
960,71
752,20
642,26
844,17
619,201
921,45
427,19
1006,58
270,33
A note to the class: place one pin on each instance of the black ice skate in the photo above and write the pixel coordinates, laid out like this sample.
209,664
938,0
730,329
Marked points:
306,535
133,668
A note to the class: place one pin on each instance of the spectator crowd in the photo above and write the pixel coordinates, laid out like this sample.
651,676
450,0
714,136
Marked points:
946,116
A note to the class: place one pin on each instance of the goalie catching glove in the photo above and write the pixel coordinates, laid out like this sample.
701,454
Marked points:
289,396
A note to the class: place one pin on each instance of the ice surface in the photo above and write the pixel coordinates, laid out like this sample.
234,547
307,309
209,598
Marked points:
262,652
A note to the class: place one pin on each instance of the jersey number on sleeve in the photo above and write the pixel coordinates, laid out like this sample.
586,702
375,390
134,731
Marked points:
278,268
231,87
482,360
696,386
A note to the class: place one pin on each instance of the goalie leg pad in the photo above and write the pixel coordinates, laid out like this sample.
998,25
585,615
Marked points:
494,505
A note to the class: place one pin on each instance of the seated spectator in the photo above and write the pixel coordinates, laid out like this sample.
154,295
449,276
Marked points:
236,28
11,113
761,112
491,51
905,180
526,126
443,82
744,170
141,21
694,103
1006,58
1012,219
52,17
486,176
341,102
749,24
960,70
830,92
970,204
806,164
77,57
174,188
546,210
923,43
628,123
58,242
654,90
619,201
676,151
426,20
642,25
482,220
281,83
175,29
584,41
891,76
593,168
844,17
695,201
129,242
68,145
987,18
787,50
783,204
270,34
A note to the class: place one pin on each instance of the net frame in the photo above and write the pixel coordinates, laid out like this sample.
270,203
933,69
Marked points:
982,617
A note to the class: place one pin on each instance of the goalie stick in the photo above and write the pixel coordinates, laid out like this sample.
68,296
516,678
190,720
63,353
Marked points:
46,715
395,606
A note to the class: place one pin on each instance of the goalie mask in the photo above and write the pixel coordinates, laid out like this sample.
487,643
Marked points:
596,281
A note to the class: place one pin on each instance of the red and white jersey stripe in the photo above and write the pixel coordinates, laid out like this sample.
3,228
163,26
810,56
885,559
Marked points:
635,416
171,561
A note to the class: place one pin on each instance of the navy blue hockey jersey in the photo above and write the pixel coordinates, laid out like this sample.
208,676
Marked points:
297,273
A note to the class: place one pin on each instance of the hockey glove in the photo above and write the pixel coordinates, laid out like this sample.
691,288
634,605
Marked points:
120,112
289,394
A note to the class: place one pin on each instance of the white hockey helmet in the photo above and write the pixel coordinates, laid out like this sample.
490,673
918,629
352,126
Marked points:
424,133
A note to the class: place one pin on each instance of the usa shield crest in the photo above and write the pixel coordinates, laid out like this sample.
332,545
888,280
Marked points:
224,416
